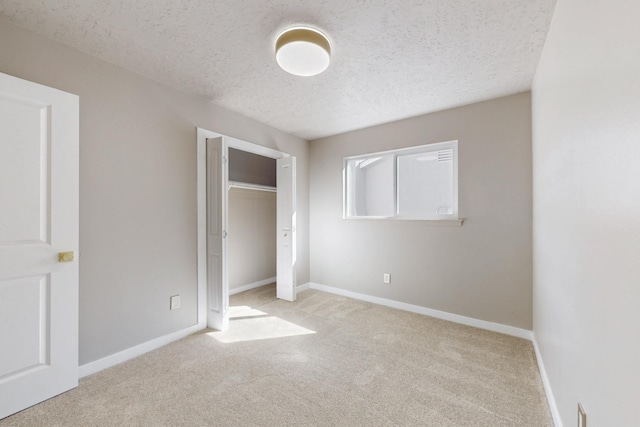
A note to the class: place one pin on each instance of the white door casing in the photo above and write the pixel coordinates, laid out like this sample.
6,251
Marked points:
286,228
217,178
39,135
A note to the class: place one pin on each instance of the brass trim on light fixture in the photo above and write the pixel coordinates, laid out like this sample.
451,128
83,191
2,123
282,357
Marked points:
303,51
303,34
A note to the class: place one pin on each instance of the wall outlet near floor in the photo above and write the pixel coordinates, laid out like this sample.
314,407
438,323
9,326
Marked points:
174,302
582,416
386,277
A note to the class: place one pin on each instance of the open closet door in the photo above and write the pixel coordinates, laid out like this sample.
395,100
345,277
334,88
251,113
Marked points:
286,228
217,177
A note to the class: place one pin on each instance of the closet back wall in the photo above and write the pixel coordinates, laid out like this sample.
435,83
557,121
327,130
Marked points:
252,236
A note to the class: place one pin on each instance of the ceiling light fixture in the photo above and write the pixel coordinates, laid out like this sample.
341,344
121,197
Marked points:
303,51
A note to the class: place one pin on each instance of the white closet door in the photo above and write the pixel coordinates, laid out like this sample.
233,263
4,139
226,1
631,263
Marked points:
217,178
286,240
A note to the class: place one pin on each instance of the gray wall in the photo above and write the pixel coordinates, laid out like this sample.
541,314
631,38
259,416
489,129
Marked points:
251,244
586,163
251,168
482,269
138,189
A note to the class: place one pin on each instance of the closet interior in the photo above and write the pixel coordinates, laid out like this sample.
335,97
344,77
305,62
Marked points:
251,244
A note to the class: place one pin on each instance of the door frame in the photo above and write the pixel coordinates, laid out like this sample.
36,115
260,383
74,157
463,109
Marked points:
202,136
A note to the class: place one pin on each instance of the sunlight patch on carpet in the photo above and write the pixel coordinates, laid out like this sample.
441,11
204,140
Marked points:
244,311
258,328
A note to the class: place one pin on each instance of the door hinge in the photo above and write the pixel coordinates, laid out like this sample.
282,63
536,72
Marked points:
224,234
224,159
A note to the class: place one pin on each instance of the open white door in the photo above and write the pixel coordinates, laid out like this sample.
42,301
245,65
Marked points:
38,221
286,228
217,178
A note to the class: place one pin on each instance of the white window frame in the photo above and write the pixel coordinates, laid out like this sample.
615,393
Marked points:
427,148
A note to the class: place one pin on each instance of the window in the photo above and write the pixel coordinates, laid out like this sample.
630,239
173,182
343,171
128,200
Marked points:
411,183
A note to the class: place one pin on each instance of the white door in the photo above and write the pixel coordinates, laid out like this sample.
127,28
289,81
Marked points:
286,238
217,178
38,220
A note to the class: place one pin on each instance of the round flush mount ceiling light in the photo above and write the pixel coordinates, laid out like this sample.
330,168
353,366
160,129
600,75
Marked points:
303,51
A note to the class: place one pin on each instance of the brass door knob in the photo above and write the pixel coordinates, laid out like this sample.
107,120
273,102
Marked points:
65,256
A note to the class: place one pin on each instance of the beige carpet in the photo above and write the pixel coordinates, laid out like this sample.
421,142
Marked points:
325,360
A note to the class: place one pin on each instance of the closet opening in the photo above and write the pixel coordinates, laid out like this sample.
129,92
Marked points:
252,172
252,223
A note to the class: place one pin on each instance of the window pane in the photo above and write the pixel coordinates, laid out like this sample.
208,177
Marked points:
370,186
425,183
409,183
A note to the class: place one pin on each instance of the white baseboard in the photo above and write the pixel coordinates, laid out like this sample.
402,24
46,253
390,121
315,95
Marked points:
303,287
252,285
456,318
553,407
130,353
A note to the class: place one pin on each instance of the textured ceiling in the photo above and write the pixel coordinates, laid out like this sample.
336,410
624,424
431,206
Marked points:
391,59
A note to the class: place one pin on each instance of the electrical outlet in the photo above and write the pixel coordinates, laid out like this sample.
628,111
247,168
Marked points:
174,302
386,277
582,416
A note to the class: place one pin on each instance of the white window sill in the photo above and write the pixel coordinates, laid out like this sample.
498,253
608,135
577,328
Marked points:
437,222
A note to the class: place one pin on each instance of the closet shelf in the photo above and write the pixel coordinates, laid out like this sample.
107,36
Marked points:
247,186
